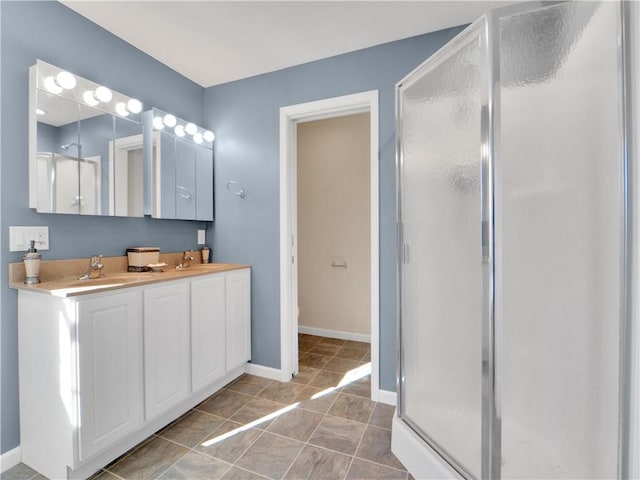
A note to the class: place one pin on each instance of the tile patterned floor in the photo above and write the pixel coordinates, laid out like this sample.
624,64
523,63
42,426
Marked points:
321,425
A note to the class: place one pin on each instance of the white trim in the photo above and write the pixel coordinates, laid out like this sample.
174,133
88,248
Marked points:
421,461
388,397
10,459
323,332
266,372
289,116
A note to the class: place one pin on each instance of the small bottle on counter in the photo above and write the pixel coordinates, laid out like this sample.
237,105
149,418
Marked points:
205,254
31,261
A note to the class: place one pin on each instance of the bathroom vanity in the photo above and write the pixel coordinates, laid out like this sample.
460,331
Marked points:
105,363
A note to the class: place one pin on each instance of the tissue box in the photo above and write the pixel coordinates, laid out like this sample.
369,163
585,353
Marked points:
140,257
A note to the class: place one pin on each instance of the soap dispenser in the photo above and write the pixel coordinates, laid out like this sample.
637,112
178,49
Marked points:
32,264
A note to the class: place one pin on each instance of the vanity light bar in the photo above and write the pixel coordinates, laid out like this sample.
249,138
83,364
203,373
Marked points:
180,128
56,81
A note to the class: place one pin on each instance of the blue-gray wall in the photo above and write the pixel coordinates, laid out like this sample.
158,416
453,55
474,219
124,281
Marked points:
56,34
245,117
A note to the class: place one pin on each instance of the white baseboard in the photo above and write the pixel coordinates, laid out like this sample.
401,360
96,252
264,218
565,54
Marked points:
385,396
10,459
322,332
421,461
266,372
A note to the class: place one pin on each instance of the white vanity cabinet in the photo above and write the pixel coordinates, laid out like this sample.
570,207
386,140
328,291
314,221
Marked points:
100,372
238,295
110,377
166,347
208,330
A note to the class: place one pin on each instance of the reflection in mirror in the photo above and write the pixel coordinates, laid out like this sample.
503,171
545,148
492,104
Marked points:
84,140
182,166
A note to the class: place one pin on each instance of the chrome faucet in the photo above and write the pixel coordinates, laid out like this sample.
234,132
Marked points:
95,268
187,257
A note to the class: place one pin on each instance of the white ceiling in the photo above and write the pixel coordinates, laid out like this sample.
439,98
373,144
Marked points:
213,42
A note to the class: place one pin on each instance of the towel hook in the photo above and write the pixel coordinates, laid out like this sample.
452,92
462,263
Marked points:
236,188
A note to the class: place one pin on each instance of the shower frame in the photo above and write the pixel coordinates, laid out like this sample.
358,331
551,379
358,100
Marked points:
491,442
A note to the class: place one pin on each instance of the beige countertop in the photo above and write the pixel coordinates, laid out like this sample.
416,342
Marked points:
60,277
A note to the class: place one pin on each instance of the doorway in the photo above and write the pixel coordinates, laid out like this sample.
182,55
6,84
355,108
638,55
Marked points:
290,118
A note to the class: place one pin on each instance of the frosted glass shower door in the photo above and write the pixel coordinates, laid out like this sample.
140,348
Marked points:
563,240
441,306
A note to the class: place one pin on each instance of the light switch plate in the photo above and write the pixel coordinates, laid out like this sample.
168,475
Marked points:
20,238
201,237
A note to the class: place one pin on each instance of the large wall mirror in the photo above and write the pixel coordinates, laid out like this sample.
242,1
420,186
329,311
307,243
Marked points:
85,146
181,158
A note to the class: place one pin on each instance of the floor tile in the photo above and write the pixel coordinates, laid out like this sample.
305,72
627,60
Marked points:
341,365
313,360
376,447
237,473
318,464
351,353
309,338
305,374
325,349
192,428
225,403
249,385
255,410
281,392
363,470
150,460
271,455
230,448
360,387
102,475
196,466
326,379
323,400
382,415
333,341
362,345
338,434
305,346
19,472
353,408
297,424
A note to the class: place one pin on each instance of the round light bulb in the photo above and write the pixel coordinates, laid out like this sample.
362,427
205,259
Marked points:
40,111
66,80
179,130
134,106
103,94
157,123
51,85
121,109
191,128
169,120
197,137
90,99
209,136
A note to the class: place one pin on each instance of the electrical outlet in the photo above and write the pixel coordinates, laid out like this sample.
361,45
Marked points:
20,238
201,237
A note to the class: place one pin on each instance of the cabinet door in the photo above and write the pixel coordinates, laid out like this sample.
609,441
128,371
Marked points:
238,295
166,347
204,183
207,330
185,193
110,369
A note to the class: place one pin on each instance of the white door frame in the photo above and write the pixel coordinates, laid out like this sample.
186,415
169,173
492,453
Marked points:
289,117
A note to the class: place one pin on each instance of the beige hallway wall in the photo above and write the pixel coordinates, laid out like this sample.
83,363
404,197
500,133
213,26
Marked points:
334,224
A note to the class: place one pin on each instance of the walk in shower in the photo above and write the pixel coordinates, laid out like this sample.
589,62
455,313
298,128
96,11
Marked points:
514,232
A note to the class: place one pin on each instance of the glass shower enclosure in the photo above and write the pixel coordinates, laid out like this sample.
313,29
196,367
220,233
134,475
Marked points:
513,232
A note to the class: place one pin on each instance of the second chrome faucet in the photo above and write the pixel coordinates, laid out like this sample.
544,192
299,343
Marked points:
95,268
